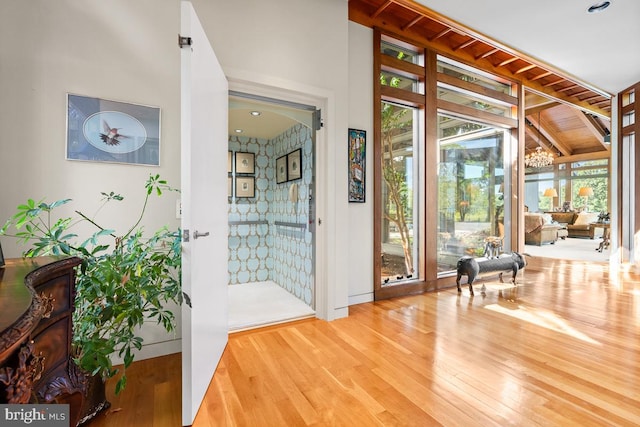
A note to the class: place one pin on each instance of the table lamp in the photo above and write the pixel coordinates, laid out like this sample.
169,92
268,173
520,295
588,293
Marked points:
550,192
585,192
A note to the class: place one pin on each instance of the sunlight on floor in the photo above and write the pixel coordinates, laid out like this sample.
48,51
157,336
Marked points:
546,319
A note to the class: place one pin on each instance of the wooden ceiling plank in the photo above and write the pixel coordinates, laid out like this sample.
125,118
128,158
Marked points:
539,139
578,94
508,61
440,34
555,82
465,44
381,9
547,136
526,68
594,127
539,76
540,108
413,22
591,98
603,102
489,53
566,99
568,88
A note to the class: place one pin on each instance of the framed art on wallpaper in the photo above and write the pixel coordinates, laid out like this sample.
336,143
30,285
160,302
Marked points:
245,186
101,130
245,163
357,162
281,169
294,165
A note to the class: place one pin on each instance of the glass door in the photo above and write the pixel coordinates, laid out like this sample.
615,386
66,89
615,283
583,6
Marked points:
471,183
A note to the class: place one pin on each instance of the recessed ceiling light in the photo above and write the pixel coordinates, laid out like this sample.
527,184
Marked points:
598,7
238,130
255,113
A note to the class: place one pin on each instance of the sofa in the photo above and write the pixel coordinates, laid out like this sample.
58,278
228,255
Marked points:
539,229
578,224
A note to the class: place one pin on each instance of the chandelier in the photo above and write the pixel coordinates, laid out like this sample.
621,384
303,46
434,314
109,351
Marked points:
538,159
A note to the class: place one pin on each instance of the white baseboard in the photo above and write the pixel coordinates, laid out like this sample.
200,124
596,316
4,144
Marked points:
150,351
362,298
339,313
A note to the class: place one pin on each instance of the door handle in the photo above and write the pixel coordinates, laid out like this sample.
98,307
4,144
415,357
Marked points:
196,234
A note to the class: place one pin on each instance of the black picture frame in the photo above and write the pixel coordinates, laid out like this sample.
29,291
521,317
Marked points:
245,163
245,187
357,165
294,165
1,257
281,169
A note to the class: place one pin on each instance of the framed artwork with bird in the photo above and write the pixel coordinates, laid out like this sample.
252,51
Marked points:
102,130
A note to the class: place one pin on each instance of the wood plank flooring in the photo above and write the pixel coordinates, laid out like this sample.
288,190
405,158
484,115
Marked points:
560,349
152,396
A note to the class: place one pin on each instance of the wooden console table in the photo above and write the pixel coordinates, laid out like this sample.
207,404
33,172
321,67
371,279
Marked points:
36,305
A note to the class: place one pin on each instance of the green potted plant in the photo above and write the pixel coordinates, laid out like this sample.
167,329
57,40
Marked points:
124,280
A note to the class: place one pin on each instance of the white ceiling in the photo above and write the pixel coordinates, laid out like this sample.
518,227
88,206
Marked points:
601,49
273,120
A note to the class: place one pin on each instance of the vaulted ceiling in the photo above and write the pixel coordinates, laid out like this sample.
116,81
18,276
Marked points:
564,115
569,133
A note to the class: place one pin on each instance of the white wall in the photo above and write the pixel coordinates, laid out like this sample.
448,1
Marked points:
361,117
121,50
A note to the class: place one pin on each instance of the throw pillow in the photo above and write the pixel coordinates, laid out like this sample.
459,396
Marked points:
586,218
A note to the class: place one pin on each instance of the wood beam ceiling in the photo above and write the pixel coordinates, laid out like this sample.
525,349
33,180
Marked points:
411,21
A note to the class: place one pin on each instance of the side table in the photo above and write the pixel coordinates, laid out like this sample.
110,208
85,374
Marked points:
563,233
605,234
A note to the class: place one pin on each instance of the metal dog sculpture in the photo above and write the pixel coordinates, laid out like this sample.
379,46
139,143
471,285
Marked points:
472,267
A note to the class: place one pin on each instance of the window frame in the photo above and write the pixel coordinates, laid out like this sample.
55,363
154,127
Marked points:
429,106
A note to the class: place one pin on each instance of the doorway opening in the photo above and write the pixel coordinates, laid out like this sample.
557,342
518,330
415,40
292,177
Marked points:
271,191
568,198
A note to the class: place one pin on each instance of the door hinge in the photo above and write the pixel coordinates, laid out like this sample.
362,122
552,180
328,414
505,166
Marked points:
317,120
184,41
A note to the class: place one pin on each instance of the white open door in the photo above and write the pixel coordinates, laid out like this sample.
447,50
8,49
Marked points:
204,212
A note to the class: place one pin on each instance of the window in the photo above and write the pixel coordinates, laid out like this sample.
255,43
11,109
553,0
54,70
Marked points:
443,151
471,182
400,192
569,178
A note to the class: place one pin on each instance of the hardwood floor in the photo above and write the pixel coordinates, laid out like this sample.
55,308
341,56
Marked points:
152,396
560,349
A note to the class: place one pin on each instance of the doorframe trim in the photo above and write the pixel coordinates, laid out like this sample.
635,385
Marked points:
241,81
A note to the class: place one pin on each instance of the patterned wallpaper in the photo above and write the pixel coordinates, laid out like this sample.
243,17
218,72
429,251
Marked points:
266,251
